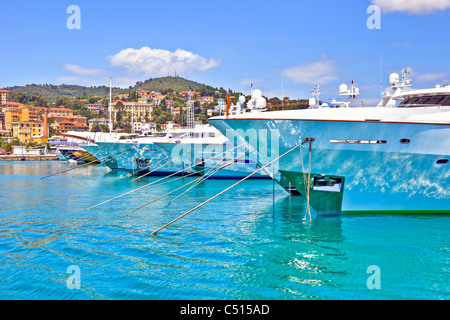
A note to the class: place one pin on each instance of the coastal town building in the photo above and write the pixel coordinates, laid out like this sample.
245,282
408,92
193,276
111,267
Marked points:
176,110
97,107
59,112
12,104
5,96
169,103
66,126
63,120
175,126
19,114
204,100
136,109
98,121
139,125
28,131
2,121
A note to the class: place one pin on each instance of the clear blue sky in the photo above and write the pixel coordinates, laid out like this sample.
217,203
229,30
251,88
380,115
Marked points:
285,46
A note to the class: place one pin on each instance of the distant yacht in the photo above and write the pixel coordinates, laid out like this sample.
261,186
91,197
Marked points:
393,157
211,154
70,147
139,155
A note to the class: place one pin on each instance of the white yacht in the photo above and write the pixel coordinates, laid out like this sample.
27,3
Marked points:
211,154
393,157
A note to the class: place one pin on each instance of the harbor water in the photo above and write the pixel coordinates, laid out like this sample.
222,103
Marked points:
251,243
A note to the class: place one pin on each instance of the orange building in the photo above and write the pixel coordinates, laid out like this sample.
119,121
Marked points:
65,126
59,112
12,104
19,114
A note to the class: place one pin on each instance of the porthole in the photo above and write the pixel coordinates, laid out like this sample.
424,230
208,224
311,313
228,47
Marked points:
405,141
442,161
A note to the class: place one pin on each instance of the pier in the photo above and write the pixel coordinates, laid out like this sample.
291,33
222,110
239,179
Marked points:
28,157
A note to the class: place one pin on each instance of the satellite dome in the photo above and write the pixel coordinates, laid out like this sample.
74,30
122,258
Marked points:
256,93
343,89
394,78
260,102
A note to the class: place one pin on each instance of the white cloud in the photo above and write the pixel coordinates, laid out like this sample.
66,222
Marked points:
431,77
412,6
314,72
82,71
158,62
67,79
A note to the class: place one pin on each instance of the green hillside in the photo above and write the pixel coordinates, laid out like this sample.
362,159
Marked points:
175,83
52,92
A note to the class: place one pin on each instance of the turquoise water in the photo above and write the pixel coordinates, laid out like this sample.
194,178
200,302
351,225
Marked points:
241,245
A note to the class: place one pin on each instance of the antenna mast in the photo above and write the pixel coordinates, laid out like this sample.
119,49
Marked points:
190,115
110,105
381,75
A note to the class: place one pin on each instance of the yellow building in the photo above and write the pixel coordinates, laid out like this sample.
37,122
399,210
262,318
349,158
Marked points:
5,96
11,115
28,131
19,114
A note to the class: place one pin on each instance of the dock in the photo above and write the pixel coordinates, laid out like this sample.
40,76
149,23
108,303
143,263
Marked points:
28,157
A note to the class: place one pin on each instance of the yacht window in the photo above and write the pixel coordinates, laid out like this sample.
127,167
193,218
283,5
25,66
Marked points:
408,102
442,100
359,141
446,101
405,141
420,101
436,100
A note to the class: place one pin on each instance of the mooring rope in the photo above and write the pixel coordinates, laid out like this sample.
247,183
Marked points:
148,185
210,173
232,186
150,172
146,167
307,185
179,189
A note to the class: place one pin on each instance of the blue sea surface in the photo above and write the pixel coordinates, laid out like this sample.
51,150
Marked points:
249,243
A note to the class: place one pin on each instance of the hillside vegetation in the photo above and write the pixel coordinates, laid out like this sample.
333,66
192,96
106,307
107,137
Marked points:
53,92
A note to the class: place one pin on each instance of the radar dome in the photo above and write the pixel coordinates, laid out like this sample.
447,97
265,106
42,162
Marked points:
394,78
260,102
256,93
343,89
